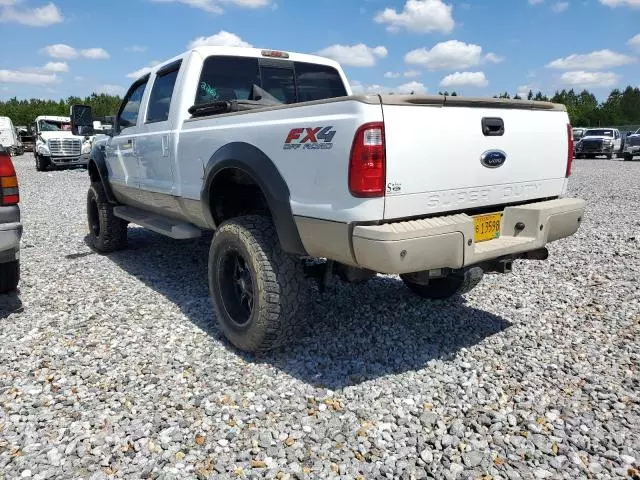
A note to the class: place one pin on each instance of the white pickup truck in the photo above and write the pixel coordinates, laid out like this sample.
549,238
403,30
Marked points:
272,151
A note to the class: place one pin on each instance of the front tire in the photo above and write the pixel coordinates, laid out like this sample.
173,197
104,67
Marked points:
9,276
255,286
609,156
107,232
445,287
628,157
42,163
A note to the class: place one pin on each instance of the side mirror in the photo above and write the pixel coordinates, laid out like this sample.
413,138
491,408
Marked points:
81,120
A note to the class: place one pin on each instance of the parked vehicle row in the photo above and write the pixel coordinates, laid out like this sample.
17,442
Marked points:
632,145
9,138
272,151
599,141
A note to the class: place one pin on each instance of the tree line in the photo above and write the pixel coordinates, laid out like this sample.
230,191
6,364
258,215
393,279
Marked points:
621,107
24,112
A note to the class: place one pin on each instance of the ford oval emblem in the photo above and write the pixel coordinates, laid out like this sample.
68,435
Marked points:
493,158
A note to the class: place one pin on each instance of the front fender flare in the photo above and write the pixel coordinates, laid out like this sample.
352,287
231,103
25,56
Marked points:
255,163
98,161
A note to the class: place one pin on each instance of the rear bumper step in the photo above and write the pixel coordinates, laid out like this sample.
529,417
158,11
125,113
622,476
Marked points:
447,242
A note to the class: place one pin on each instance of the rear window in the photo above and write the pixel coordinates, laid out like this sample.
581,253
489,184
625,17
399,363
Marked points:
599,133
236,78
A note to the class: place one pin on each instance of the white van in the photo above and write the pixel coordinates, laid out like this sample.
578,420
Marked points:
8,137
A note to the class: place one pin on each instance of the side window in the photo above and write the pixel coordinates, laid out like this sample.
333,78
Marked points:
128,116
317,82
227,78
160,99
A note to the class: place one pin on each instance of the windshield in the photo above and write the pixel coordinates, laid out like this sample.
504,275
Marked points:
599,133
53,126
578,133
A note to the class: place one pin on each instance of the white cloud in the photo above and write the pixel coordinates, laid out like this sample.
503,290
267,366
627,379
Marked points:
450,55
590,79
33,17
634,41
222,39
592,61
354,55
535,2
359,88
493,58
56,67
412,73
460,79
560,7
391,75
60,50
142,71
415,87
375,89
95,53
619,3
422,16
136,49
67,52
30,78
523,90
216,6
111,89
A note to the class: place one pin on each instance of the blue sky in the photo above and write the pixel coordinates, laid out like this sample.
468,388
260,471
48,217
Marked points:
477,47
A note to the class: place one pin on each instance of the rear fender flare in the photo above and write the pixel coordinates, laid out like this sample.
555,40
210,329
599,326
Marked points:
255,163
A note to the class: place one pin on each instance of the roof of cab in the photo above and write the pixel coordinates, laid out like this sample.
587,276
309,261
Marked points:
208,50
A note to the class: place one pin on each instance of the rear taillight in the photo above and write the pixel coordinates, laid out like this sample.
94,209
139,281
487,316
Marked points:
367,161
9,194
569,149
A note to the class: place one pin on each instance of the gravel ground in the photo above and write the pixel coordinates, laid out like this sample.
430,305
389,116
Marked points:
112,371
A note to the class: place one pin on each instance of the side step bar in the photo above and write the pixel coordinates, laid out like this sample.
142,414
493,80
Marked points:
157,223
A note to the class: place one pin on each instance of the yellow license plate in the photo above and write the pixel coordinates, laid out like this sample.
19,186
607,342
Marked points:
487,227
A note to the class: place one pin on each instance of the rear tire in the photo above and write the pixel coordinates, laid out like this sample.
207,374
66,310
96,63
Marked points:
255,286
445,287
9,276
107,233
628,157
609,156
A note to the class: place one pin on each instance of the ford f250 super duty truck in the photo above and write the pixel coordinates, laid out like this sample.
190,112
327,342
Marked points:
273,152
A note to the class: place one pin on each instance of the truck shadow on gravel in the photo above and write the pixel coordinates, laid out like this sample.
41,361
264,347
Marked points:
351,333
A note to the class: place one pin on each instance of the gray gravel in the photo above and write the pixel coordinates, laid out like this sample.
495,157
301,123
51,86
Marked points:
111,369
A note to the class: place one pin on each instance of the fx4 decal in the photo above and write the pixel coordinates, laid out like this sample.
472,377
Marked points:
317,138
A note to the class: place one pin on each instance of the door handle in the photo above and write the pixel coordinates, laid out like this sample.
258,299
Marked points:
165,145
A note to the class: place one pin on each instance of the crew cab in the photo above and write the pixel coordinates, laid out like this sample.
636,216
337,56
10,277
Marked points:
273,152
599,141
56,145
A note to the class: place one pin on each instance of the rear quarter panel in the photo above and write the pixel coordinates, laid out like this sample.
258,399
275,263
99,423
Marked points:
317,177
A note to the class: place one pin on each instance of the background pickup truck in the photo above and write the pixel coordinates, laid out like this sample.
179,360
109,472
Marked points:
273,152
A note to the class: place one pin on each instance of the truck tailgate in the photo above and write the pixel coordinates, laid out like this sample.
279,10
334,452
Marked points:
434,150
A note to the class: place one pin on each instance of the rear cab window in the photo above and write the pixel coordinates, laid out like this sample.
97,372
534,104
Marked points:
162,92
241,78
